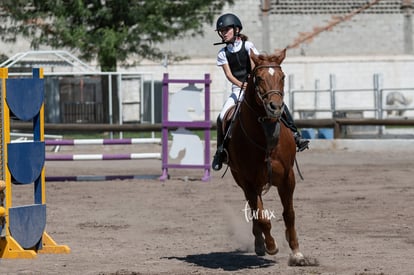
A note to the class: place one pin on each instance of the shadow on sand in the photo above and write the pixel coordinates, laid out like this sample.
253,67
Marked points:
228,261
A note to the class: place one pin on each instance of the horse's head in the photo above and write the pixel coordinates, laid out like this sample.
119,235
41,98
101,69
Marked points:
268,80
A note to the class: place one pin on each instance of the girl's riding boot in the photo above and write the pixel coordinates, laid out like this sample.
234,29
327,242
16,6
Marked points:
219,156
302,144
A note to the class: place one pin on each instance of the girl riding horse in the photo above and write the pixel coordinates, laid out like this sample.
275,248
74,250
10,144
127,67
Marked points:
236,63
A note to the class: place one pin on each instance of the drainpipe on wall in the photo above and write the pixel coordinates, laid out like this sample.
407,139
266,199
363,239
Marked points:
265,8
407,7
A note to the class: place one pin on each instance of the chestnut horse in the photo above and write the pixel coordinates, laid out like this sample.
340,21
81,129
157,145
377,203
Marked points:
261,152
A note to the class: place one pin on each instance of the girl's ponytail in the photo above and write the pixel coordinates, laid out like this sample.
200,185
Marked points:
243,37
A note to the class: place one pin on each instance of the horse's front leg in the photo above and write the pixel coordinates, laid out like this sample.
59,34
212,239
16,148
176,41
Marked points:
266,226
261,226
285,191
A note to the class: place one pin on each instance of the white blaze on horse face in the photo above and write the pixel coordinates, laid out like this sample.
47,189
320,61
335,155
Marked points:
271,71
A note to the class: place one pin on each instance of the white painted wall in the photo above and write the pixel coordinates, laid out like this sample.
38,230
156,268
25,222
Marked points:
351,72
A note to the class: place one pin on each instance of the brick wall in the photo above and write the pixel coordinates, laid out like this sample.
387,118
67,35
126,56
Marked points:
371,42
378,30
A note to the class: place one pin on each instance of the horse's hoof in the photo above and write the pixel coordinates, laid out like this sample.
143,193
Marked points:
272,251
259,248
271,246
298,259
260,252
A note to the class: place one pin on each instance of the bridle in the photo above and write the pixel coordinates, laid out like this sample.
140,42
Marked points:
267,94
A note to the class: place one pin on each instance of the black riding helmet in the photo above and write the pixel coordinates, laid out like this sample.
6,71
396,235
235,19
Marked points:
228,20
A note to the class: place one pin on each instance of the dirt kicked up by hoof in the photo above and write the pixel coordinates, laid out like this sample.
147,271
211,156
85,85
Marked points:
301,260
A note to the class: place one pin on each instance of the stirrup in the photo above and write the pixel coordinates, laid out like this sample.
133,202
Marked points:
302,144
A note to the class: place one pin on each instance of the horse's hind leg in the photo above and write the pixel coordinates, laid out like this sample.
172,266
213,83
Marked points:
286,196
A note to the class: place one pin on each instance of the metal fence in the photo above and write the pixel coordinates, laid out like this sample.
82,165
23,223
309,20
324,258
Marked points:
100,97
73,97
376,102
82,112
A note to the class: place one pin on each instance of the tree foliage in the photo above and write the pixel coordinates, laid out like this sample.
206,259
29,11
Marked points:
110,30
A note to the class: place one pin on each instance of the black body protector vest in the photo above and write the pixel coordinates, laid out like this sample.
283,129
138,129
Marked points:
239,63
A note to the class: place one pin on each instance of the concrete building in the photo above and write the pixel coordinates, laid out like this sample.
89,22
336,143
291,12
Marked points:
352,40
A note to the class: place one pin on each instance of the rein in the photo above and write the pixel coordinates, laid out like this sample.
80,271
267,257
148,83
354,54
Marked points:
271,133
271,128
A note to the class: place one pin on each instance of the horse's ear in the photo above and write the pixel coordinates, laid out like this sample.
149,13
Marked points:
280,55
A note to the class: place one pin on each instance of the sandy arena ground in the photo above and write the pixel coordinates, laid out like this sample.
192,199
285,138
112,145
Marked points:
354,216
